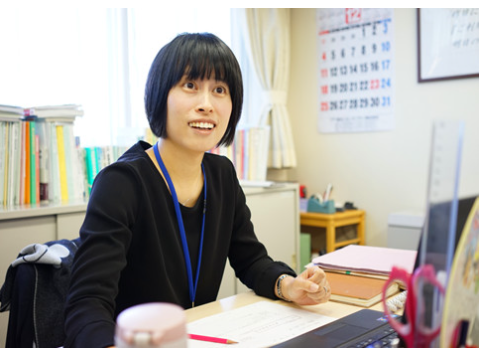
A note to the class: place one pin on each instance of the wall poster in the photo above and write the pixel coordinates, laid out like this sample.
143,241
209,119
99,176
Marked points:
448,44
356,70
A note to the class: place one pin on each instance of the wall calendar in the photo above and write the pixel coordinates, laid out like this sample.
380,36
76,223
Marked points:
356,70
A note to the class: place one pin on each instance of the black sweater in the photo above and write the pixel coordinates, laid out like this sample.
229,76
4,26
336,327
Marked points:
131,251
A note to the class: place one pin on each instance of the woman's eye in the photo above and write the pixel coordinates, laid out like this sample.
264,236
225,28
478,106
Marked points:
189,85
220,90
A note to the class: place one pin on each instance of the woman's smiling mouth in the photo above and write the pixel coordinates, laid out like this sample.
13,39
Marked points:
202,125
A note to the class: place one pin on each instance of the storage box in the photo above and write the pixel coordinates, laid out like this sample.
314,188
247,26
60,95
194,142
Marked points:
314,206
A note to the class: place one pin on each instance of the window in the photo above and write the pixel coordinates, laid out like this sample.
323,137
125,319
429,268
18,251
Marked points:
95,57
253,98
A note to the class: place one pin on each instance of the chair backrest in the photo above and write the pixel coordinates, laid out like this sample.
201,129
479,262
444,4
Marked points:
34,292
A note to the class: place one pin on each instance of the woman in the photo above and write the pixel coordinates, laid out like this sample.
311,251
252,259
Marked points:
162,221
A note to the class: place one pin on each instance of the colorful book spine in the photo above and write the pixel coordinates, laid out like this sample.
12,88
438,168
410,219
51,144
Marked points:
239,160
27,162
81,172
54,174
89,168
33,166
44,164
96,158
7,154
77,181
61,164
37,170
69,165
22,165
15,172
2,160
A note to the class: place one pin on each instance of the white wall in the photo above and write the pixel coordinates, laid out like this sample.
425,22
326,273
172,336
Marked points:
381,172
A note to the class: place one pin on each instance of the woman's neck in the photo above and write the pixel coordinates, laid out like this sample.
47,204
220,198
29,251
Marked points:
181,164
185,171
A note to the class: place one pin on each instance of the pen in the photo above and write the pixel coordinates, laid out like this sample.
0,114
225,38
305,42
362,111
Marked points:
211,339
327,193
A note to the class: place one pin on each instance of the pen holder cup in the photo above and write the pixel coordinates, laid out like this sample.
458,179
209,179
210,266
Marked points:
314,206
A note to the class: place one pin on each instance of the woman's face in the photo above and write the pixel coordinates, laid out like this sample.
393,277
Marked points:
198,113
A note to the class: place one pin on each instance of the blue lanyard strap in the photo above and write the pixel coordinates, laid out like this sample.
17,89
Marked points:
192,285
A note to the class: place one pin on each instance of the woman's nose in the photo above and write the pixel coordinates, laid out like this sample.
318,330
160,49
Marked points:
205,102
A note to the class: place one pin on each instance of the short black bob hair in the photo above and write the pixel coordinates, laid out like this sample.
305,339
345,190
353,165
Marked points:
197,55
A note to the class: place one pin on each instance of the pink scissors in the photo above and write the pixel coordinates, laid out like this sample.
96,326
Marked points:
414,332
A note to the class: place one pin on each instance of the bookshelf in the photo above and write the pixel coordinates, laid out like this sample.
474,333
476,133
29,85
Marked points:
40,159
248,152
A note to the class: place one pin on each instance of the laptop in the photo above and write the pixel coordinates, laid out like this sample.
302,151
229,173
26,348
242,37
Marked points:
365,328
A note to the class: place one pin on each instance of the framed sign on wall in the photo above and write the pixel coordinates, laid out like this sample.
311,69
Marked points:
448,43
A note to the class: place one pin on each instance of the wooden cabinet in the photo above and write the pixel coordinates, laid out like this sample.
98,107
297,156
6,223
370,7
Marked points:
22,226
332,221
275,214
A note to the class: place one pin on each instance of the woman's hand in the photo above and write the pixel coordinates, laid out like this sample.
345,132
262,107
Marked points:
308,288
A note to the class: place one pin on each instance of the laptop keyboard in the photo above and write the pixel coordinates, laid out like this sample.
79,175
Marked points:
382,337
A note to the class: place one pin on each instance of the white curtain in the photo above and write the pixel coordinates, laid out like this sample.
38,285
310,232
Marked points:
267,39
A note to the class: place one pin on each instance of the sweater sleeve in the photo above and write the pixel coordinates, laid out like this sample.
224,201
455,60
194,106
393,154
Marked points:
249,257
96,269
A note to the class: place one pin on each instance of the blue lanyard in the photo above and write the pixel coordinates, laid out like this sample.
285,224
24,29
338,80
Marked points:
192,285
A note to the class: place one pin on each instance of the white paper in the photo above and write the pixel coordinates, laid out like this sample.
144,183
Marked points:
261,324
367,259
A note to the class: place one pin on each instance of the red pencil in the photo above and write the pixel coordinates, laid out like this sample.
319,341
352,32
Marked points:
210,339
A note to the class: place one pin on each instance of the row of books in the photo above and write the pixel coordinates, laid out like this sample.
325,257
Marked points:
42,161
40,158
39,162
248,153
96,158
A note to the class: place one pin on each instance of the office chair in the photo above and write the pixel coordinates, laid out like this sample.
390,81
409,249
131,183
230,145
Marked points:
34,292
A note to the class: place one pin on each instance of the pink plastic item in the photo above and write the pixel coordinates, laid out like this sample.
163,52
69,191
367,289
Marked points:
151,325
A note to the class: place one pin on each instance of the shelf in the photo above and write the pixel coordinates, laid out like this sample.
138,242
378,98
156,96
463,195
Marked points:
348,242
36,210
332,221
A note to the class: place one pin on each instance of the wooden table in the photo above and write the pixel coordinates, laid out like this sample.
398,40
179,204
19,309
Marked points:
331,221
330,308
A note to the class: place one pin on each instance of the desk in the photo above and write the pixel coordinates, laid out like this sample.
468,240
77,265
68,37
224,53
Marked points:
326,311
331,221
330,309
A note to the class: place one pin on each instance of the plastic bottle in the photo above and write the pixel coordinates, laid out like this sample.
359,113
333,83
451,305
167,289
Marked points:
151,325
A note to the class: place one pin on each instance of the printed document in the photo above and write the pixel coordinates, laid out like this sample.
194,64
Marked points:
261,324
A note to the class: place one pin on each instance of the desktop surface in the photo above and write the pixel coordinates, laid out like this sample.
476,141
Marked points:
330,309
224,308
